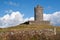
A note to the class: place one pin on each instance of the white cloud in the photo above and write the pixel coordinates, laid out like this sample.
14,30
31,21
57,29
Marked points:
16,18
31,19
11,20
26,19
8,11
48,8
12,3
46,16
54,18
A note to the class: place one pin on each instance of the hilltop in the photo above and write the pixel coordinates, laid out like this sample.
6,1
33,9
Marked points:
32,32
29,27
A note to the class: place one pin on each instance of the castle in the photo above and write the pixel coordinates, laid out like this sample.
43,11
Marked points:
38,16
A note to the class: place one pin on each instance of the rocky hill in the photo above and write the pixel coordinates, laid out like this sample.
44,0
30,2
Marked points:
30,32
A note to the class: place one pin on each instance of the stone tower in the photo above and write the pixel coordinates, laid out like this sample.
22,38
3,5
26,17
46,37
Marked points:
38,15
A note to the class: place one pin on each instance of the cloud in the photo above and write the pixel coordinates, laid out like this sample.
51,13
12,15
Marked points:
16,18
12,3
29,19
54,18
8,11
48,8
46,16
11,20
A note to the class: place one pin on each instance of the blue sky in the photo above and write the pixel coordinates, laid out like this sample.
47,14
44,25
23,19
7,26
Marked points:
14,12
27,6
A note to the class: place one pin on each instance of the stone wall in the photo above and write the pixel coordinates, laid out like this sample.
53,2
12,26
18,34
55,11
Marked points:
41,22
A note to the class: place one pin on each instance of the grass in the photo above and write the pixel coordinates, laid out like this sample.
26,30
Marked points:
28,27
27,36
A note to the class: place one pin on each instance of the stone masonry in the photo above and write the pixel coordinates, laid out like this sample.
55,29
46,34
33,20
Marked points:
38,13
38,16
